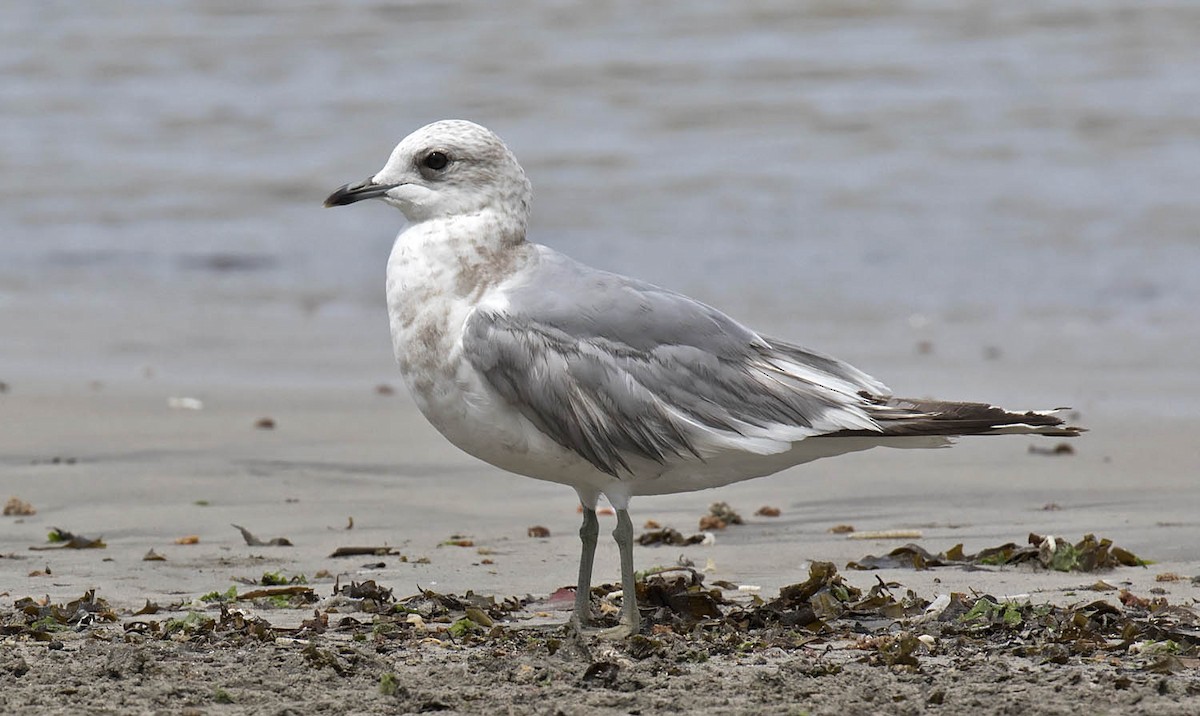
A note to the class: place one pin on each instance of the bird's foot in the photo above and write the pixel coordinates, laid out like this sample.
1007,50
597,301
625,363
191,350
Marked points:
624,630
575,637
630,624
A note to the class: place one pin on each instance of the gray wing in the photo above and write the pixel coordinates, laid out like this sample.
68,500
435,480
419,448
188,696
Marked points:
613,368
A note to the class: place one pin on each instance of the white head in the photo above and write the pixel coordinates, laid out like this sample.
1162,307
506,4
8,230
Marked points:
448,168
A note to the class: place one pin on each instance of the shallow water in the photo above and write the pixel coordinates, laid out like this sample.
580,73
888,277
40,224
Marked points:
803,164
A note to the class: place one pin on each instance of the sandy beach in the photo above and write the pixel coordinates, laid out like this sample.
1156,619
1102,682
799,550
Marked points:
114,460
969,201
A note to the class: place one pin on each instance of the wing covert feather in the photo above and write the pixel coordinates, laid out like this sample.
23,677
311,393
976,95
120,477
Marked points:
614,368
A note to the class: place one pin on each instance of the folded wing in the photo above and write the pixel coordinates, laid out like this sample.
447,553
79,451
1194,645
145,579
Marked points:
615,369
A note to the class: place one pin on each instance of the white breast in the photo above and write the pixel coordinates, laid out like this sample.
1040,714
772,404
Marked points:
429,302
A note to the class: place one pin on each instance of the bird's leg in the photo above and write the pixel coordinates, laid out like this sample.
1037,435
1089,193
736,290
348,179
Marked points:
583,587
623,534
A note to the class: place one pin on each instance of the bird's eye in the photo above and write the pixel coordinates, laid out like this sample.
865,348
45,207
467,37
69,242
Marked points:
435,160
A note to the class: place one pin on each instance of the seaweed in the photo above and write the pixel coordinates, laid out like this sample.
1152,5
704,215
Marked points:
39,619
1088,555
253,541
668,536
685,620
62,539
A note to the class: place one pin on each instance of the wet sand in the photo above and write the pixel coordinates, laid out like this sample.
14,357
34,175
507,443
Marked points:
970,201
114,461
130,469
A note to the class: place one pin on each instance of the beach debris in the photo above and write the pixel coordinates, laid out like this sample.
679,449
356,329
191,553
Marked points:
1087,555
538,531
886,534
153,556
1059,449
840,529
457,541
680,591
896,651
1168,577
185,403
226,596
377,551
601,673
599,510
562,597
278,597
720,515
149,608
66,540
687,621
253,541
478,616
186,628
221,696
40,619
371,597
464,617
388,684
275,579
286,597
18,507
668,536
265,423
384,389
1051,507
233,624
188,539
651,525
936,607
350,523
768,511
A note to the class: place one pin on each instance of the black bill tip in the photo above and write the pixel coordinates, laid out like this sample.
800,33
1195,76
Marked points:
350,193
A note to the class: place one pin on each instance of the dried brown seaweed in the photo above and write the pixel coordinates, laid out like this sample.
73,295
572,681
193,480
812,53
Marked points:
1088,555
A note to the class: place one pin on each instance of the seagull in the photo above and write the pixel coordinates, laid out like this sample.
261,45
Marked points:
548,368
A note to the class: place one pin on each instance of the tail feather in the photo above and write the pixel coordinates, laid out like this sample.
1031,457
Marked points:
902,417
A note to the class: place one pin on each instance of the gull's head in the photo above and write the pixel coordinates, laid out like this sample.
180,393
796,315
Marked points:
445,169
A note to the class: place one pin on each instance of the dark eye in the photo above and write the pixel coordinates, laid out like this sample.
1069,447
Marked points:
435,160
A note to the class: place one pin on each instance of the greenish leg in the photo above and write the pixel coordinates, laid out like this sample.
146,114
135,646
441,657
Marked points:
630,617
583,587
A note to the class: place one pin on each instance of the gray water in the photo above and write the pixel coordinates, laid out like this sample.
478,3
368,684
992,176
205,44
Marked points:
800,162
